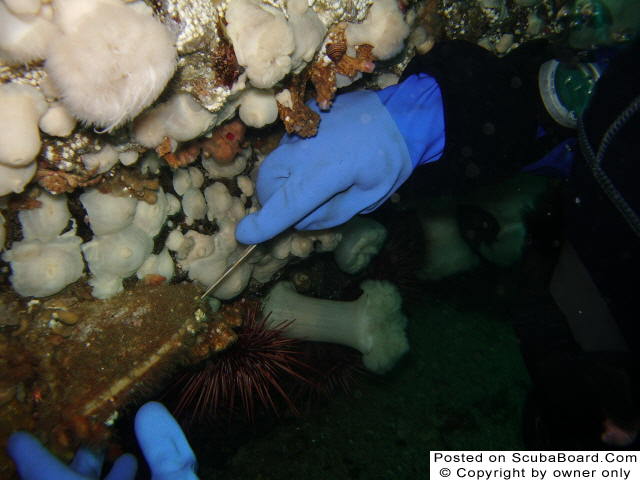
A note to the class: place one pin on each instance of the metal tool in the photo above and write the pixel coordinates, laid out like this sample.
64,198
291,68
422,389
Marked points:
227,272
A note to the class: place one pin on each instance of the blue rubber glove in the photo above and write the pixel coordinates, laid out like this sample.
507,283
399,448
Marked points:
34,462
366,147
164,445
161,439
557,163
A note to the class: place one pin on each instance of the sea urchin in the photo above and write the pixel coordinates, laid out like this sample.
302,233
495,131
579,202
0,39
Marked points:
250,374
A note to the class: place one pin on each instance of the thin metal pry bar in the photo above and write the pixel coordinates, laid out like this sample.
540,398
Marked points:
228,271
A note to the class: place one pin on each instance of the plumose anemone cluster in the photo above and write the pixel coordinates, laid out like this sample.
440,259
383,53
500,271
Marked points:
140,99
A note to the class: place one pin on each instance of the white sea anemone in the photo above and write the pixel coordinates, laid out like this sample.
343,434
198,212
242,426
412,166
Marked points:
40,269
266,267
373,324
196,176
111,62
128,157
215,170
175,241
219,200
209,269
24,35
292,244
384,28
301,245
23,7
46,222
258,107
194,205
173,204
180,117
21,107
120,253
150,163
151,217
14,179
181,181
245,184
57,121
161,264
101,161
262,39
308,31
206,257
362,239
115,256
191,246
107,213
447,253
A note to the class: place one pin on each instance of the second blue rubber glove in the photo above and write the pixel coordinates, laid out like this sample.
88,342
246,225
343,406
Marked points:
164,444
366,147
35,462
161,440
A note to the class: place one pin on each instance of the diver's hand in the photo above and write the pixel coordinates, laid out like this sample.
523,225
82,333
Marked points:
366,147
160,437
164,445
34,462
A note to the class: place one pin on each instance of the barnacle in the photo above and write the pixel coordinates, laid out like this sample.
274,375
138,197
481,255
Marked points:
336,50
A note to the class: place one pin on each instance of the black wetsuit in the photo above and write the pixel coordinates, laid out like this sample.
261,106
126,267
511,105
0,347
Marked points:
493,111
602,236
